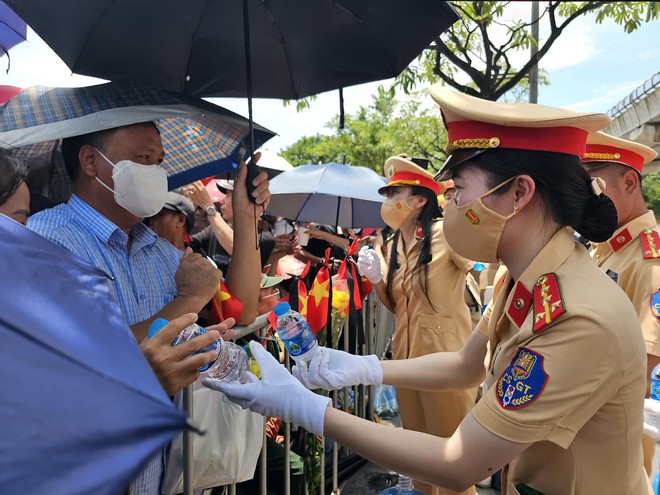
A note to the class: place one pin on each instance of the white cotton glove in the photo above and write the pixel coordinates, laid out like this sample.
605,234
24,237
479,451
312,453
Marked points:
277,394
331,370
369,264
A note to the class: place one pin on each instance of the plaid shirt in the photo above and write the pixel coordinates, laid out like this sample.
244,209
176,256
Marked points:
142,281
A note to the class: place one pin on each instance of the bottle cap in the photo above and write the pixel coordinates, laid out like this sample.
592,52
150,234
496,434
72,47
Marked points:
157,324
281,308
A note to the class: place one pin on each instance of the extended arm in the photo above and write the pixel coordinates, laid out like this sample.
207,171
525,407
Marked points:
471,454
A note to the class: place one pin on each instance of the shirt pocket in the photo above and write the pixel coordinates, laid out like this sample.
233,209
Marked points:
436,333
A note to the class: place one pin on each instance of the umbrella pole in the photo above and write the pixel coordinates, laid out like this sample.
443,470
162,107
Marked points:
188,443
248,71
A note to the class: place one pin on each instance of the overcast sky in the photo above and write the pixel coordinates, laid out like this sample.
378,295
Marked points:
591,67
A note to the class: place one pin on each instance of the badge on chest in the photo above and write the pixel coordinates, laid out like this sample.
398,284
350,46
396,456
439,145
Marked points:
523,381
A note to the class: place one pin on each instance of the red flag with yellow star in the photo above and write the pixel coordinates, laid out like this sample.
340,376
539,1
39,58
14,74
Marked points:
225,305
318,297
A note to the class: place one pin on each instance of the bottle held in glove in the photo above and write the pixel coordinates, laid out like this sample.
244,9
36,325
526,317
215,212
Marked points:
295,333
405,486
232,362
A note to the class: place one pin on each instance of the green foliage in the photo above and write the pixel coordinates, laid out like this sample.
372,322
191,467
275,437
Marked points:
651,191
376,132
469,46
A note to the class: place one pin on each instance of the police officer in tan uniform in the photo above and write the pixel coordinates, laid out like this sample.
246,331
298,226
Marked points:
566,376
631,257
425,287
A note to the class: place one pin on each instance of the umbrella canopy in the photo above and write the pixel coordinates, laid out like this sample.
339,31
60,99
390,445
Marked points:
13,29
331,194
200,138
81,409
273,164
298,47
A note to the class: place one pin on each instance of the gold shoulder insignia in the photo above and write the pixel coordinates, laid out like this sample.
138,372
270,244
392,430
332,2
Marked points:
548,302
650,244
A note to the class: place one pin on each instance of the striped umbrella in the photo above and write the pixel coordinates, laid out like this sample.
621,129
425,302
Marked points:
200,139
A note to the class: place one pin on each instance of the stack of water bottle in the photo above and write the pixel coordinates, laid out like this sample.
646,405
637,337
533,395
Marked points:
652,417
234,361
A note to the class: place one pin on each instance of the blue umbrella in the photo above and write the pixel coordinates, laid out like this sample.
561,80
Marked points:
81,410
12,30
330,194
200,139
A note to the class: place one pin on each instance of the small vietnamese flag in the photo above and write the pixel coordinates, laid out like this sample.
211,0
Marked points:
225,305
318,298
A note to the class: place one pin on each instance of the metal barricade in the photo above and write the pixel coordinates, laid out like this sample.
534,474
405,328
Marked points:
378,327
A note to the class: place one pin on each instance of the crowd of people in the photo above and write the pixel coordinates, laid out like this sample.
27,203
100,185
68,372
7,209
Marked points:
561,353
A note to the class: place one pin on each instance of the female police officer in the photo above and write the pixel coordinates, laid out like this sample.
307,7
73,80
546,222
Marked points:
565,367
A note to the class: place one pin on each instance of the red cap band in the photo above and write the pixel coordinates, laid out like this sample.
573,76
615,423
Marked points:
471,134
602,153
413,179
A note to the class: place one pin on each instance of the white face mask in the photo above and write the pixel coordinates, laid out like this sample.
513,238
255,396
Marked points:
139,189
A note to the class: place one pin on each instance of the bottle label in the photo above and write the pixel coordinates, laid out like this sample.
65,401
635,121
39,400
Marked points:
302,339
655,389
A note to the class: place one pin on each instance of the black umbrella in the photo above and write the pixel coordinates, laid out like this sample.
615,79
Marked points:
298,47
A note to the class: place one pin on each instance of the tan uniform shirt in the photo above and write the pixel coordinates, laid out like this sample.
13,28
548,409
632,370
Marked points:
422,328
566,375
622,259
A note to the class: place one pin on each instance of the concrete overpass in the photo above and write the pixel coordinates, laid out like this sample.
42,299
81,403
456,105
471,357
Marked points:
637,118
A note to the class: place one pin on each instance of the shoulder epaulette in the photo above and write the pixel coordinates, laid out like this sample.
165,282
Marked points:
650,244
548,302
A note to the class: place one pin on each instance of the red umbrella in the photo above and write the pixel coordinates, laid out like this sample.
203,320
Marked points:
7,92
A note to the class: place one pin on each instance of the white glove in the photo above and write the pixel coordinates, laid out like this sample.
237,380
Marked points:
369,264
331,370
277,394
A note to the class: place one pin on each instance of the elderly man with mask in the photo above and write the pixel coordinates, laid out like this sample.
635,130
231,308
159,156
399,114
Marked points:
119,181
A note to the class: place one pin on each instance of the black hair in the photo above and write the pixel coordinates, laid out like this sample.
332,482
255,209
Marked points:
71,147
430,212
14,172
564,187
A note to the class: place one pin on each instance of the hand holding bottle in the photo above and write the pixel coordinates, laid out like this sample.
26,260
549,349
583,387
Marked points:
330,369
277,394
369,264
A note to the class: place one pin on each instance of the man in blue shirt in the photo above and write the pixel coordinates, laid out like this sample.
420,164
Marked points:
118,181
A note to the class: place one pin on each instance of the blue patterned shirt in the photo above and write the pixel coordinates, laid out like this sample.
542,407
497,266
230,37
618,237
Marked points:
142,281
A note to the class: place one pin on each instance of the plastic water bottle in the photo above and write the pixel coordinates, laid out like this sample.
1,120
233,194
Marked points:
295,333
232,362
405,486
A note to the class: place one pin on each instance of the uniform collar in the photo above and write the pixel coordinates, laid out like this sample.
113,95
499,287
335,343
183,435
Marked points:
629,231
551,257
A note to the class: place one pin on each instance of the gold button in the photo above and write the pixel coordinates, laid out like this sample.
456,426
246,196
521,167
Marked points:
620,239
494,142
519,303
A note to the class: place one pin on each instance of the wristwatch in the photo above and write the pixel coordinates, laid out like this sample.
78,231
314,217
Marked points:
211,210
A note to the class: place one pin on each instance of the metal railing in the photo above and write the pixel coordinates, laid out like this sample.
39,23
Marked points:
378,327
639,93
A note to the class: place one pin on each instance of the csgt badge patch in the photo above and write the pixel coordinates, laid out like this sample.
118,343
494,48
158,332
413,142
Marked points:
655,304
523,381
